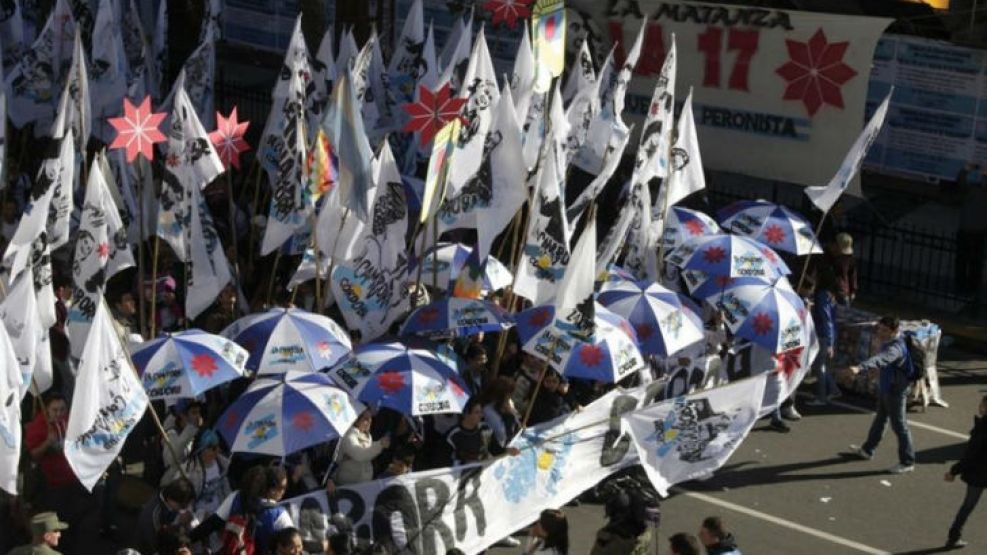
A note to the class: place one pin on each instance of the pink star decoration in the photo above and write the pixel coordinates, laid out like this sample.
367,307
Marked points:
507,11
432,111
137,130
228,138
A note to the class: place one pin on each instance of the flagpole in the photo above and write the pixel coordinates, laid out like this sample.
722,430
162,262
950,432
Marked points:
274,273
233,235
332,255
805,265
154,285
141,263
253,212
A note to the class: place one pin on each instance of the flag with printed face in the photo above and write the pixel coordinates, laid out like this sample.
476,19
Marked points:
58,172
296,64
209,270
456,53
406,62
109,69
31,226
323,73
642,256
582,111
196,77
523,76
546,246
656,136
607,251
575,312
582,74
548,32
35,81
107,404
824,197
21,319
492,196
10,415
690,437
685,164
288,212
101,250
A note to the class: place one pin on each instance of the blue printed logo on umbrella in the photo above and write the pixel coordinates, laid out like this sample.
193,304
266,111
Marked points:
261,431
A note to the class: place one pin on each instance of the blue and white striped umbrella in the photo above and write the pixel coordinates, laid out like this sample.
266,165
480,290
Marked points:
610,356
772,224
286,339
453,317
284,414
767,314
184,365
411,377
684,224
665,322
450,258
728,255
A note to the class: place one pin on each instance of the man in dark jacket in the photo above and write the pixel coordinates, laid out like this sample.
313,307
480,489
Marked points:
972,468
716,539
892,393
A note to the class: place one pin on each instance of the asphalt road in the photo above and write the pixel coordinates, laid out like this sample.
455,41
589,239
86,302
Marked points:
798,493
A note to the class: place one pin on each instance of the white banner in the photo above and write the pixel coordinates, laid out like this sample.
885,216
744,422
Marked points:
10,415
779,94
690,437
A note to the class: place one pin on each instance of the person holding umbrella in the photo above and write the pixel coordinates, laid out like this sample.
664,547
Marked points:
972,469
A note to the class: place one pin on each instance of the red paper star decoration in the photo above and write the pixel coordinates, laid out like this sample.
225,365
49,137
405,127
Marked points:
228,138
137,130
507,11
432,111
204,365
774,234
815,72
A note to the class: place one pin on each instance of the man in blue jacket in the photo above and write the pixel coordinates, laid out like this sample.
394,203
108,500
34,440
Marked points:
892,363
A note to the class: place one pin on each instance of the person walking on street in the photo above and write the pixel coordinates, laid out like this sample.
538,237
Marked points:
972,469
892,395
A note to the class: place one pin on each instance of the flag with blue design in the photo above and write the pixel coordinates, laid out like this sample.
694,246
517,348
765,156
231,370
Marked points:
19,312
690,437
107,404
344,126
10,415
546,246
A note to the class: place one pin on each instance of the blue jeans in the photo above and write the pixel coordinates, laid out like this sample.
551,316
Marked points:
969,503
825,382
892,406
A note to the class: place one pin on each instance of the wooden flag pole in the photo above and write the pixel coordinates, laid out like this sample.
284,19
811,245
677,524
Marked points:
154,286
274,274
141,263
805,265
233,235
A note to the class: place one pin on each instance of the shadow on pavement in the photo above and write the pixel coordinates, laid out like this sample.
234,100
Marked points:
733,477
941,455
926,551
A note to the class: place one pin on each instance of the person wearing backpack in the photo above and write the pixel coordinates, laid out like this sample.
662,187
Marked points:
972,469
896,370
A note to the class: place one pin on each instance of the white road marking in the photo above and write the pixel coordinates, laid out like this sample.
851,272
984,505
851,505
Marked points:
911,422
839,540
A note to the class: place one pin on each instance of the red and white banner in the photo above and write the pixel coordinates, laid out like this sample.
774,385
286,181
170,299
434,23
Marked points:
779,94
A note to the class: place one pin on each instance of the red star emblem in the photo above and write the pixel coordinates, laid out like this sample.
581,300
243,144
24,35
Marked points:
232,418
763,323
643,331
591,355
770,254
714,255
303,421
228,138
815,72
103,250
172,160
695,227
774,234
428,315
787,362
204,365
540,317
324,349
507,11
723,281
137,130
432,111
390,382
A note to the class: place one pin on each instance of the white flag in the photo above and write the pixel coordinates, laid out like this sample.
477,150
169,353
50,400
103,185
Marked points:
546,246
490,199
31,226
574,305
523,76
641,258
581,73
10,415
209,270
109,69
12,33
456,53
653,148
582,112
347,50
296,64
58,173
824,197
690,437
101,250
607,251
197,77
159,48
686,171
35,81
406,62
107,404
323,73
22,321
612,159
137,52
344,127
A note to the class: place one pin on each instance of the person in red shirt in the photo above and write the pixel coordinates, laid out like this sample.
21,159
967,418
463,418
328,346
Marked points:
62,492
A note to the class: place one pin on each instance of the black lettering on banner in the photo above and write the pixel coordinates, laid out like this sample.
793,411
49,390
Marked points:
469,478
395,499
738,363
355,512
615,444
431,515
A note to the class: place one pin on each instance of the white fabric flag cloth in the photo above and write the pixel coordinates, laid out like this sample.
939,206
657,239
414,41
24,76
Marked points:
107,404
575,312
405,67
690,437
347,50
656,136
642,257
159,50
137,53
490,198
581,73
824,197
607,251
482,94
344,127
101,250
456,53
59,172
109,73
296,59
686,171
35,81
31,228
523,76
10,415
209,270
12,34
546,246
196,78
21,319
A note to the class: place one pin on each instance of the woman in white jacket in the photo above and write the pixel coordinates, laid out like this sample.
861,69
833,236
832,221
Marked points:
357,450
